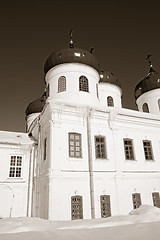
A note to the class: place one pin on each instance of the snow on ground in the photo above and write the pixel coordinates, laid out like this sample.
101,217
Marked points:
141,223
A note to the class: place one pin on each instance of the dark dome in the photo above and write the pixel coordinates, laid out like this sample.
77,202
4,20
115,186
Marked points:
152,81
71,55
107,77
36,106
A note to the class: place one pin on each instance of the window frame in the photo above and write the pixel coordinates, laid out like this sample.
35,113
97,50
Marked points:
76,143
105,205
15,166
145,107
83,84
130,148
136,200
151,150
77,206
61,84
100,155
110,101
156,199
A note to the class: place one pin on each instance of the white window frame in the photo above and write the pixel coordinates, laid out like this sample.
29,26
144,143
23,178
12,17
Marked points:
13,175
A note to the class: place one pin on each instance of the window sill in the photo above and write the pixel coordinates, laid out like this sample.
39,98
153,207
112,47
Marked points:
13,179
75,158
130,160
101,159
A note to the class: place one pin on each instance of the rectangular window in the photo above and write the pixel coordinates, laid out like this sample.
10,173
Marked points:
147,150
75,145
15,166
136,197
76,207
128,148
45,149
156,199
100,147
105,206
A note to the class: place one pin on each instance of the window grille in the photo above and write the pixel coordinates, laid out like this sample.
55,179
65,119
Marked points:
76,207
110,101
62,84
100,147
75,145
105,206
156,199
136,197
83,84
128,148
147,150
15,166
145,108
45,149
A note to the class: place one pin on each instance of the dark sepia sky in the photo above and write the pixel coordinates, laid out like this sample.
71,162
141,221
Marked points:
121,32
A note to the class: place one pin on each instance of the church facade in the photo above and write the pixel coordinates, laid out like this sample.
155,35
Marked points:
83,156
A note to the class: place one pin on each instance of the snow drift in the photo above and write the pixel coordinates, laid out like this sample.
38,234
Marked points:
141,223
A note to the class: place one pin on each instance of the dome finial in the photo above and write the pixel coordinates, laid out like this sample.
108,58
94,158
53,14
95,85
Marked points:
149,60
71,40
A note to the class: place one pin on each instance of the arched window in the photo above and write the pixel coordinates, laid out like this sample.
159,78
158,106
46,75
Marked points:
105,206
110,101
159,104
76,207
145,108
83,84
62,84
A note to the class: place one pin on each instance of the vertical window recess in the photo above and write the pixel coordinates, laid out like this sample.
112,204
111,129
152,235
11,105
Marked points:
145,108
45,149
83,84
62,84
100,147
15,166
136,198
156,199
110,101
76,207
128,148
147,150
75,145
105,206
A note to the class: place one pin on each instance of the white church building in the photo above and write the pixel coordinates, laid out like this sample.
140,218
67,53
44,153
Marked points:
84,156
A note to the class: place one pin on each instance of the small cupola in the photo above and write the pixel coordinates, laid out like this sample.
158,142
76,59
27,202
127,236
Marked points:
34,109
110,91
147,91
72,75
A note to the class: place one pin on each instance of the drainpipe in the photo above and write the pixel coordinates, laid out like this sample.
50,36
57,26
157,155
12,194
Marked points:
30,182
90,163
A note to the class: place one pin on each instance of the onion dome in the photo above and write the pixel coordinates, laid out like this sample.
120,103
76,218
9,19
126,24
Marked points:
71,54
107,77
150,82
36,106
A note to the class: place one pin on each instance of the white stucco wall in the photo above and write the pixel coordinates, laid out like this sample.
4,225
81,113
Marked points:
64,176
14,190
72,72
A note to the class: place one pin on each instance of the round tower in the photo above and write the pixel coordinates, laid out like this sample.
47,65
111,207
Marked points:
109,89
72,75
147,92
